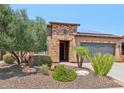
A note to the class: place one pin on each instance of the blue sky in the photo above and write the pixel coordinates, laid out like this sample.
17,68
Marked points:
92,18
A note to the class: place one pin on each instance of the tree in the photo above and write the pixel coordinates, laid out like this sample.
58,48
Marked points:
5,17
82,53
23,36
40,34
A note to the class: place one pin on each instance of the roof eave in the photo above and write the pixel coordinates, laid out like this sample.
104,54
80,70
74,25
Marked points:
64,23
98,36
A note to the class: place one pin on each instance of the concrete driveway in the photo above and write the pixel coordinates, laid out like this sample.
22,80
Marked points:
117,71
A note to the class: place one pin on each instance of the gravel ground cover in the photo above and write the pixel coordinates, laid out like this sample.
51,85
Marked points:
12,77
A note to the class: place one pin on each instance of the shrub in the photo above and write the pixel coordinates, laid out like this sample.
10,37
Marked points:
63,74
102,63
40,60
60,66
8,58
44,69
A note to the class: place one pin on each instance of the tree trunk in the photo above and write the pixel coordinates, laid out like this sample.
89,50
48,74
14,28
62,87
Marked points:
0,55
81,62
78,60
27,58
15,55
23,57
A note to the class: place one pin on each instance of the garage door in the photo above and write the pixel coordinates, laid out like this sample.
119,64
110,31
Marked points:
100,48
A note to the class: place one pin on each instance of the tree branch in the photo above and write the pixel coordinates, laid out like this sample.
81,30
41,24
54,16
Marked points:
15,55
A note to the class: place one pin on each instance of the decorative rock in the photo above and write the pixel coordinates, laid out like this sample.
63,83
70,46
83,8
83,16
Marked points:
53,67
82,72
23,65
29,70
32,70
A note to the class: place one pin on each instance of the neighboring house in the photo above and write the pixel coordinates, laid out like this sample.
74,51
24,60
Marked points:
63,37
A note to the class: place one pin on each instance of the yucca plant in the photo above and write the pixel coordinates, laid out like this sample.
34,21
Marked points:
82,53
102,63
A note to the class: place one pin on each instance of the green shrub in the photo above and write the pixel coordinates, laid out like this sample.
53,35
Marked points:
8,58
63,74
60,66
102,63
44,69
41,59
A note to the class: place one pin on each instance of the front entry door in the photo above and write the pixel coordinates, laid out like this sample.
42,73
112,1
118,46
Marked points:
64,51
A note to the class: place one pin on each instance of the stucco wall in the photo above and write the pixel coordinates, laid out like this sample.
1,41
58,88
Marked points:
122,56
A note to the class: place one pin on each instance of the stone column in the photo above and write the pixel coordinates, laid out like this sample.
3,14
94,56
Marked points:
118,52
72,53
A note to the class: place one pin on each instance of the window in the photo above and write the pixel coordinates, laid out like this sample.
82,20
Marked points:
123,48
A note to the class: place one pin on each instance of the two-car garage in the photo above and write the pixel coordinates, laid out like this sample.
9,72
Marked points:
100,48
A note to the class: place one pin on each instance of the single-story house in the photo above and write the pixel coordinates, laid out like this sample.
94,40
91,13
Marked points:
63,37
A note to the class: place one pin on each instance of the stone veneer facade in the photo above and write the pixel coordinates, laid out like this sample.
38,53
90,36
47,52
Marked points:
61,32
68,32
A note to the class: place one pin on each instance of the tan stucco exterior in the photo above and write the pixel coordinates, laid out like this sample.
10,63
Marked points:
68,32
